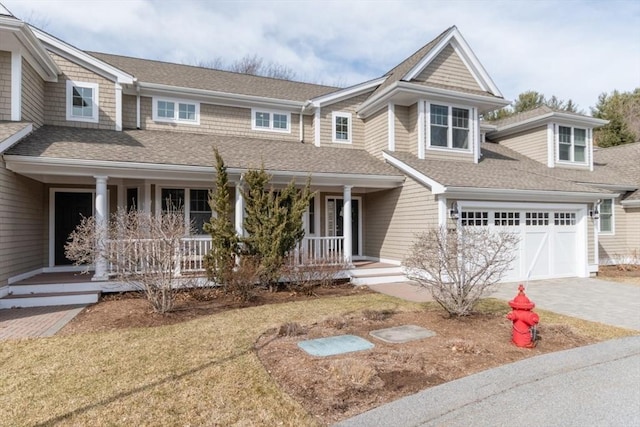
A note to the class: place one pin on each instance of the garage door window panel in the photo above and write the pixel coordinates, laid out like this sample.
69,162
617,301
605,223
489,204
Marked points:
564,218
474,218
506,219
534,219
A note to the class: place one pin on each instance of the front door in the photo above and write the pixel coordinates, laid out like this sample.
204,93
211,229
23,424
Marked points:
69,210
335,221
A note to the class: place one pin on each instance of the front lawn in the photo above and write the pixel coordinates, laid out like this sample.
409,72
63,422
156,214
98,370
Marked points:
207,371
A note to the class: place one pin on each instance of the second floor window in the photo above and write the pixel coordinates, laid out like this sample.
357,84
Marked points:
276,121
341,127
82,101
572,144
449,127
176,111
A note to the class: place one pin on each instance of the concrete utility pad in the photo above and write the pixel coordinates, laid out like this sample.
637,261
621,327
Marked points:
401,334
335,345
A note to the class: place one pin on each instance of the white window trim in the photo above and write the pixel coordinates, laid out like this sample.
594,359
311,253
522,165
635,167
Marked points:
186,207
176,101
271,113
449,148
613,220
96,101
334,116
587,146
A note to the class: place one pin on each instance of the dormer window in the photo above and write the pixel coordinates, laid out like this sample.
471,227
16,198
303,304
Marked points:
82,101
341,127
269,120
176,111
572,144
449,127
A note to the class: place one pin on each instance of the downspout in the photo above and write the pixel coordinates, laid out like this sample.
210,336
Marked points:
137,107
302,110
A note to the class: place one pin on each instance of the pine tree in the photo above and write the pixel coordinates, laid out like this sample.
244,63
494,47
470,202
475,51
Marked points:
273,222
221,259
623,112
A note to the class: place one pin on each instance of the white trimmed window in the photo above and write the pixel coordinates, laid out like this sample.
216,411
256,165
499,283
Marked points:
82,101
449,127
605,223
572,144
194,202
176,111
269,120
341,123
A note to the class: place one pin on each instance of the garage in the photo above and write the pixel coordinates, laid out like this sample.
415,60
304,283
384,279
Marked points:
552,238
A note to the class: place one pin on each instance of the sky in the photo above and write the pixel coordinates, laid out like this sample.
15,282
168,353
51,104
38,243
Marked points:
573,49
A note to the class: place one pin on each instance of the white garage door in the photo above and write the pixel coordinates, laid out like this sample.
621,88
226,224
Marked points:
548,245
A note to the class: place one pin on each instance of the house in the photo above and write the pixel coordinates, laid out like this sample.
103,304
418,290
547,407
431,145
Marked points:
84,133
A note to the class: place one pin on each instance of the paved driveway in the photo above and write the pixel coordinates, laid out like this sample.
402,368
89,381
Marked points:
612,303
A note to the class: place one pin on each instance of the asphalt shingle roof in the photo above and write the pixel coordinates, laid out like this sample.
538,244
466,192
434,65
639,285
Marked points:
399,71
177,148
499,168
187,76
10,128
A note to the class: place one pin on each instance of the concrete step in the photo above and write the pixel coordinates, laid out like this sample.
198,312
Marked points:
48,288
377,279
374,270
49,299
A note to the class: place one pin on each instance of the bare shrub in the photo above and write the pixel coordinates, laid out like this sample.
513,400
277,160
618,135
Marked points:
306,275
336,322
243,280
463,346
377,315
460,266
290,329
142,250
353,373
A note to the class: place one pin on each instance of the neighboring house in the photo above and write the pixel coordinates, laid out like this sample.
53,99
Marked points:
87,133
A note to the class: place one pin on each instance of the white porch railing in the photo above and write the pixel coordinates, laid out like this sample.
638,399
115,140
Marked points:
316,250
149,255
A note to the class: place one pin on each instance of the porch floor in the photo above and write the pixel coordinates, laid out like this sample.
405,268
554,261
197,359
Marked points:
56,277
77,277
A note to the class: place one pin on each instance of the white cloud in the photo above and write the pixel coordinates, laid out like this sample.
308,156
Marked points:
572,49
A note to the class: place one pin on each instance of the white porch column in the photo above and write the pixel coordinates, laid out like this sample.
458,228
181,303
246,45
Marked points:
347,224
239,214
101,216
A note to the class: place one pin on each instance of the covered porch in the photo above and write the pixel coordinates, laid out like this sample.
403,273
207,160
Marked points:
73,192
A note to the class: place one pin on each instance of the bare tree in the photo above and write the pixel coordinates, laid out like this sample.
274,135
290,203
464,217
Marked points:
142,250
460,266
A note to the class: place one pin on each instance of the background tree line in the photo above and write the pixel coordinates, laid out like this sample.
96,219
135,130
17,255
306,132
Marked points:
622,109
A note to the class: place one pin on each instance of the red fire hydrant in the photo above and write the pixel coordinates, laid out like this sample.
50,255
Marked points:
524,320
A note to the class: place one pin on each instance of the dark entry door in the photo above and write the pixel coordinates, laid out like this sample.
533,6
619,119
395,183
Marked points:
355,221
69,210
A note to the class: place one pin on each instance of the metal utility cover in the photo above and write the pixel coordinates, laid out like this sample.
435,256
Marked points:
401,334
335,345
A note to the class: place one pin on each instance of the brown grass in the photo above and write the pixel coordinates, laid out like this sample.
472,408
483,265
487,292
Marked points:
201,372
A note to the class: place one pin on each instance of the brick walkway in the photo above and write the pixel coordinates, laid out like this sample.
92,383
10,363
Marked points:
16,323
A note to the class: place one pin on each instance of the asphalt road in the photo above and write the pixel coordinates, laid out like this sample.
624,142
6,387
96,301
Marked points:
596,385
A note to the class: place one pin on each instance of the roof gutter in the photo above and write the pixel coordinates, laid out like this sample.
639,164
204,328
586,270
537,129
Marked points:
223,98
523,195
630,203
544,118
372,104
39,166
